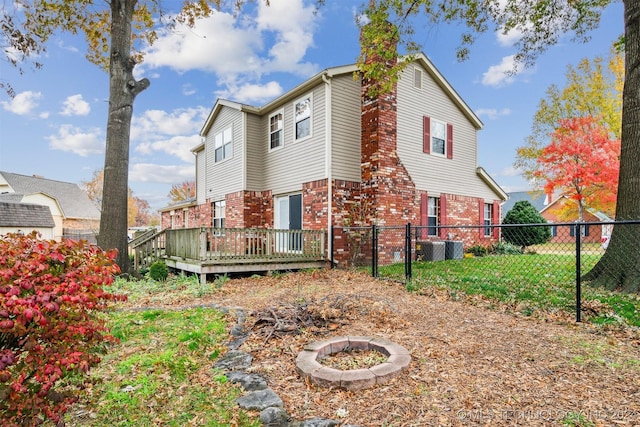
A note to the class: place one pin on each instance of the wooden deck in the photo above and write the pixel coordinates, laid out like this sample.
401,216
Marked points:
231,250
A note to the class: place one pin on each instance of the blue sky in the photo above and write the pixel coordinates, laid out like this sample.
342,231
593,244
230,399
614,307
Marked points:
55,125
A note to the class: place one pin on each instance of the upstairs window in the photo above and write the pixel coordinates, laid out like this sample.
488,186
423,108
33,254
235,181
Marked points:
302,118
223,145
275,130
437,137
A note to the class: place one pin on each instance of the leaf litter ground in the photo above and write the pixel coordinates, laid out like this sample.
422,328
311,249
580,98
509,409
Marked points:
473,362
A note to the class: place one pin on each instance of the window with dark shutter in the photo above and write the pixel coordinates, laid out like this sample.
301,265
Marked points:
437,137
426,134
449,141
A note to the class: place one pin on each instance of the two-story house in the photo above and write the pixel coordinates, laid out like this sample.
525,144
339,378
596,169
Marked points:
74,215
326,154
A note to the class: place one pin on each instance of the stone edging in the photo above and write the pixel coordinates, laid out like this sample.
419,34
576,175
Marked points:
356,379
259,396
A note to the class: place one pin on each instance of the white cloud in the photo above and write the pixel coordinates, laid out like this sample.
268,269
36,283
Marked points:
174,133
178,146
169,174
255,93
493,113
215,44
500,74
509,171
75,106
510,38
78,141
240,50
23,103
62,45
293,25
188,89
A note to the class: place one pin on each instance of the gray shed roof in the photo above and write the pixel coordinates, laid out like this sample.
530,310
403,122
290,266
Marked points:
536,198
25,215
72,200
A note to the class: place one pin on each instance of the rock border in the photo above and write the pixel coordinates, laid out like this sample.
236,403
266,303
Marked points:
259,396
308,366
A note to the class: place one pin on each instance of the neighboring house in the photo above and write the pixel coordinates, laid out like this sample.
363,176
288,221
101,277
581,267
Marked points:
74,215
537,198
325,154
592,233
24,218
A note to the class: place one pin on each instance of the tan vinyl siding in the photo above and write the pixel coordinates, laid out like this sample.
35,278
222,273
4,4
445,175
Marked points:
345,124
285,169
257,148
429,172
227,176
201,174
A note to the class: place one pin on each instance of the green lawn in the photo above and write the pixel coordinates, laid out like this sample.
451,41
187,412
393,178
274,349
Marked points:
526,282
161,372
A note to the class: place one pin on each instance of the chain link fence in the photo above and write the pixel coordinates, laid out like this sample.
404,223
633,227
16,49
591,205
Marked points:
514,261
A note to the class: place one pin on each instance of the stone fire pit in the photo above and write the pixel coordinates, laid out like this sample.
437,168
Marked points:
308,366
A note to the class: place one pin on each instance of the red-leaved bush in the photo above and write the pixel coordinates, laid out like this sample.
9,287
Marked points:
51,294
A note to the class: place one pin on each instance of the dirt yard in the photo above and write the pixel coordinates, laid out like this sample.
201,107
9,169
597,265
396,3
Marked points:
473,363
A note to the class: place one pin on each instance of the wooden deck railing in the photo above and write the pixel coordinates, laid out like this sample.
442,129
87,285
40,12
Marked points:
210,244
147,249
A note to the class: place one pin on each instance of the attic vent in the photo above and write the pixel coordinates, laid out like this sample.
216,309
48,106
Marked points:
417,78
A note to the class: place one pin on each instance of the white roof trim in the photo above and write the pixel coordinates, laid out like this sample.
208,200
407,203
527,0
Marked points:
491,183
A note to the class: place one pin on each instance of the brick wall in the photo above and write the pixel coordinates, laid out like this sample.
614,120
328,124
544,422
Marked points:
196,216
465,210
563,234
315,206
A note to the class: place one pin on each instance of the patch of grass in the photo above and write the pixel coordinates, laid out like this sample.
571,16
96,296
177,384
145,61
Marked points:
176,286
576,419
161,373
527,283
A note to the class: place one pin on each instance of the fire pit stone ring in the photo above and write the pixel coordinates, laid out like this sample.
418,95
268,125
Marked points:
307,365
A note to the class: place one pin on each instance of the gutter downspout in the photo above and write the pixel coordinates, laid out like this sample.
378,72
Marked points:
328,156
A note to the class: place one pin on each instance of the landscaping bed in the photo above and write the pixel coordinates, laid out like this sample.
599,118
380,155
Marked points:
474,361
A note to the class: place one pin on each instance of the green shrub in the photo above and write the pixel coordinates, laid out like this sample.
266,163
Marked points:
51,294
477,250
524,212
159,271
504,248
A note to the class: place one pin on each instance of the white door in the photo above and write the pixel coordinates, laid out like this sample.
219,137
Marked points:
288,216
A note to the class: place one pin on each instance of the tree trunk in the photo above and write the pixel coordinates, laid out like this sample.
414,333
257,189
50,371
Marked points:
123,89
619,268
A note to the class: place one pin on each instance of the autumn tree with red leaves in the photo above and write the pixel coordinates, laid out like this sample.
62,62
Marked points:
583,162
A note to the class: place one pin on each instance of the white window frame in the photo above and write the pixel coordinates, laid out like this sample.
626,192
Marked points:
218,213
417,78
433,135
488,217
433,211
223,141
297,118
280,130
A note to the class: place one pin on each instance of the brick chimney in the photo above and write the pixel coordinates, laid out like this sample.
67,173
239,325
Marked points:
387,189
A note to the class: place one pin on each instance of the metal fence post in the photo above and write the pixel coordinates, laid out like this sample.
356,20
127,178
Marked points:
578,272
407,252
332,240
374,251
